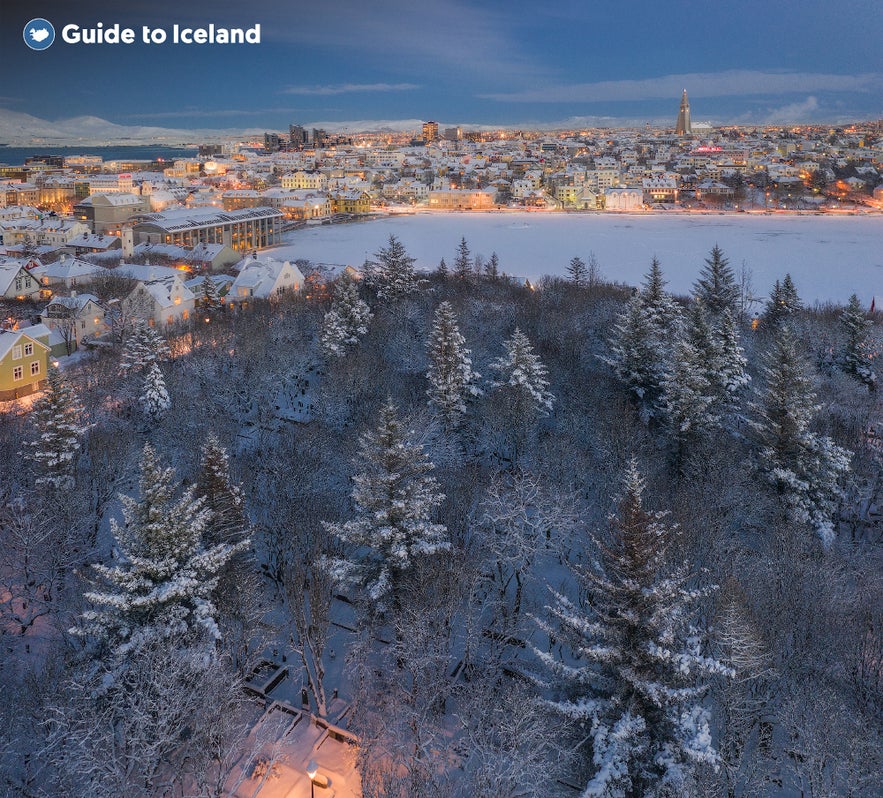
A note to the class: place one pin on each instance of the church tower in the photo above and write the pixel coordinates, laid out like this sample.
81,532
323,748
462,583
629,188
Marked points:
683,128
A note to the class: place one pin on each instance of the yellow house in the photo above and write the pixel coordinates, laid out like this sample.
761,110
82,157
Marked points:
24,361
351,202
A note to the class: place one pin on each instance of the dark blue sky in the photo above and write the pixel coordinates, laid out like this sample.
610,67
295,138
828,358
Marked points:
488,62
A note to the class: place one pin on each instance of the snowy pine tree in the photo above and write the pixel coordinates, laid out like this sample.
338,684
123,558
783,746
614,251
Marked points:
522,373
209,297
687,397
492,267
161,583
144,346
577,271
637,355
806,468
395,498
636,681
721,357
347,320
731,372
155,396
393,273
463,261
698,332
442,270
783,303
56,420
223,499
716,287
856,356
658,305
451,378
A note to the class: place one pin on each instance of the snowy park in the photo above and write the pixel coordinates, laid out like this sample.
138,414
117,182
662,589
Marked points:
829,257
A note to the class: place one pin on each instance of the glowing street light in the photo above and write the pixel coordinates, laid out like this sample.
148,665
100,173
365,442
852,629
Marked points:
312,770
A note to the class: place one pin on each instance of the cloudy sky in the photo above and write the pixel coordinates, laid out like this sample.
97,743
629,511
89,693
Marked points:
459,62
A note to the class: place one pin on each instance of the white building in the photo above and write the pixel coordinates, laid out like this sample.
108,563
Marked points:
264,278
163,301
623,199
76,317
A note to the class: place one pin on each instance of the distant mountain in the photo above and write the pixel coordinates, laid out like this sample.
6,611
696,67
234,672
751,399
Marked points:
23,129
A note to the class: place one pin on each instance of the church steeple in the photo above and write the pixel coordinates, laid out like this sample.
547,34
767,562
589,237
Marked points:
683,128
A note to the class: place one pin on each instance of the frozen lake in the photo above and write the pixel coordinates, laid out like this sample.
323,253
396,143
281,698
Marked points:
829,257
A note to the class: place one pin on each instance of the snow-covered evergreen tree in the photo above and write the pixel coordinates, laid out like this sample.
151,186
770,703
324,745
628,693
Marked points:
223,499
393,273
806,468
144,346
161,583
209,297
687,396
395,498
56,418
155,396
442,270
716,287
856,355
783,303
463,261
577,271
492,267
659,306
637,677
347,320
452,380
521,372
637,355
722,360
731,372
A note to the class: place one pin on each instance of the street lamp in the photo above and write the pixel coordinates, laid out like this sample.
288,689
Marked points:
312,770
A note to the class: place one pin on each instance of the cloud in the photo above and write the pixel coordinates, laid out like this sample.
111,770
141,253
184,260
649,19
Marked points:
795,112
220,112
350,88
732,83
442,36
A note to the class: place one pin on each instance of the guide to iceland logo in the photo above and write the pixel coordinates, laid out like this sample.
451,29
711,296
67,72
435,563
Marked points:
39,34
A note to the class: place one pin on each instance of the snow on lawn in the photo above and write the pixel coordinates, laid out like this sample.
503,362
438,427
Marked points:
829,257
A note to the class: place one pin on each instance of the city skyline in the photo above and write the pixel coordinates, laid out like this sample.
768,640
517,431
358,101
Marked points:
492,63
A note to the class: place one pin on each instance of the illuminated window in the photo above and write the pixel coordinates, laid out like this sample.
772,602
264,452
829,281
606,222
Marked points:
35,368
17,373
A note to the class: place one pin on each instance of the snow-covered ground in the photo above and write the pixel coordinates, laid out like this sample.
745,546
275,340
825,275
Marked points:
829,257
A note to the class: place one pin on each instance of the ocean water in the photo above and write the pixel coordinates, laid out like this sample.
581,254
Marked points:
15,156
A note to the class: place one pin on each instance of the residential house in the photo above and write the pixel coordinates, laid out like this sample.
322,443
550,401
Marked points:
89,243
75,318
264,278
66,272
162,301
222,282
211,257
51,231
351,202
24,360
16,282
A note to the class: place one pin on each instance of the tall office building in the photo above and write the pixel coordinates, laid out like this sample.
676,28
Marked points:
683,128
297,136
430,131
